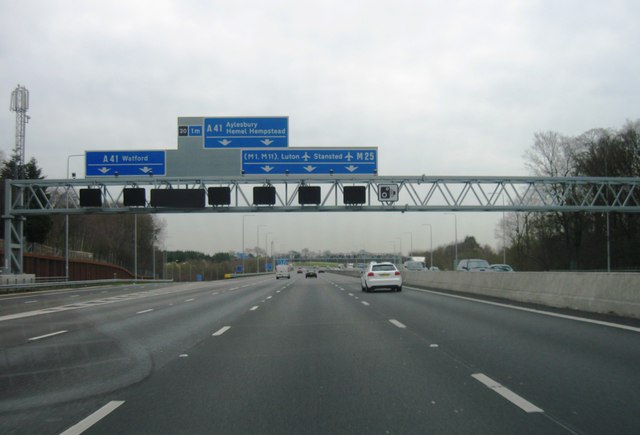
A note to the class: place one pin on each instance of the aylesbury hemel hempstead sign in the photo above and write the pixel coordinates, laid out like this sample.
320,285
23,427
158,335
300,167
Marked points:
245,132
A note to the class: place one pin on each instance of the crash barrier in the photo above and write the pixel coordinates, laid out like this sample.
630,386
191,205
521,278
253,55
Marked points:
596,292
9,279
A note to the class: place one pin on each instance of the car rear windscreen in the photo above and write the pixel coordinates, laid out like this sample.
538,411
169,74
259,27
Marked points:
381,267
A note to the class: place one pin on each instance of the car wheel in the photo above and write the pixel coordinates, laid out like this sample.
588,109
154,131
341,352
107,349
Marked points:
399,289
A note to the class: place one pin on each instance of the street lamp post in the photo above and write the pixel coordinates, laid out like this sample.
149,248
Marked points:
394,250
455,222
266,250
66,225
411,239
243,217
258,249
430,244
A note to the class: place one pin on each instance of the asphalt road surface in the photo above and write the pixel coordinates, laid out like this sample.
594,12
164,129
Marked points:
260,355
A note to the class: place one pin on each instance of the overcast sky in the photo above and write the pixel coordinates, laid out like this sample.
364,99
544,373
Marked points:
440,87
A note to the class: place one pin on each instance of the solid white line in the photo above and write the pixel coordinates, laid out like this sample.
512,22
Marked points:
365,303
221,331
532,310
145,311
398,324
255,307
101,413
512,397
48,335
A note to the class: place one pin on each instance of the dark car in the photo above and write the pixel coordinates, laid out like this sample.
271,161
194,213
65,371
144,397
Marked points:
311,273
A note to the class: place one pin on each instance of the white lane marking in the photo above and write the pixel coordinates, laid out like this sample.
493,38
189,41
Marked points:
365,303
190,300
101,413
48,335
277,291
88,304
532,310
74,296
255,307
221,331
269,297
234,288
512,397
30,302
145,311
398,324
214,293
183,355
434,345
350,294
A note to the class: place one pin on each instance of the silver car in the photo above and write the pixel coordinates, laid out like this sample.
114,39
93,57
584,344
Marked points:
381,275
473,265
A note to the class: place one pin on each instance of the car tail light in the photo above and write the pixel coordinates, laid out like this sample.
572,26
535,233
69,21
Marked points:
397,272
370,274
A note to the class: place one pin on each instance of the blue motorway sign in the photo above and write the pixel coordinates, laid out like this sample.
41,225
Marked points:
125,163
310,161
244,132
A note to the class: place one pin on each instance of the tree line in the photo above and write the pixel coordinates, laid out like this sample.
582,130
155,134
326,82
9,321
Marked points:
578,240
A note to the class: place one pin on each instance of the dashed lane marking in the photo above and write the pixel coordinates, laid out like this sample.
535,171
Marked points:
396,323
221,331
512,397
48,335
101,413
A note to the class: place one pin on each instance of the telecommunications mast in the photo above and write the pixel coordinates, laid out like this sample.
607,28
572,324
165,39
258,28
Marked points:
20,105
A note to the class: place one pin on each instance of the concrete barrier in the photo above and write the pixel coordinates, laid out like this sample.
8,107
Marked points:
596,292
25,278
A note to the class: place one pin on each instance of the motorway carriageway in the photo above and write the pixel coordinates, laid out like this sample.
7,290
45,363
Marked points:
260,355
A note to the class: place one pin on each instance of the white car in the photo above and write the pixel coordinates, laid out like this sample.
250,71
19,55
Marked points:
381,275
283,271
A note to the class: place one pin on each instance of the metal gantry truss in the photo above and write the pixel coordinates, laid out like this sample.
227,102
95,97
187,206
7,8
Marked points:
25,198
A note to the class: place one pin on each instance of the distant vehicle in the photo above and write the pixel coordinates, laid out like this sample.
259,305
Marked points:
501,268
320,270
414,265
299,270
283,271
381,275
311,273
434,268
473,265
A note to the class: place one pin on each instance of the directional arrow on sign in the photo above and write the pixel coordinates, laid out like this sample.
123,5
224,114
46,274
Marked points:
267,168
146,169
267,142
104,170
351,168
309,168
224,142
